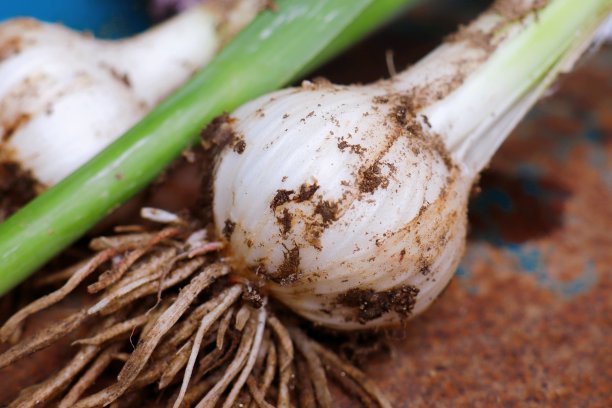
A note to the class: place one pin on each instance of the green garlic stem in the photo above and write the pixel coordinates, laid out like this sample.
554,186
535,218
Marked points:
504,75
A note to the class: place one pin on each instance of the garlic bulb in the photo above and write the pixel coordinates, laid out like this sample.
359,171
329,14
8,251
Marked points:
64,96
350,202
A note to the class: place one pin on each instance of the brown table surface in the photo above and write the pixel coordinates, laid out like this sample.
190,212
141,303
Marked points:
527,321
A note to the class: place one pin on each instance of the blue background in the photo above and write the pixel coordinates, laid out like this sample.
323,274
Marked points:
105,18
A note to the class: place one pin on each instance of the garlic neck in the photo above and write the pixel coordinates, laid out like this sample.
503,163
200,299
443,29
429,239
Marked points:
162,58
65,96
474,89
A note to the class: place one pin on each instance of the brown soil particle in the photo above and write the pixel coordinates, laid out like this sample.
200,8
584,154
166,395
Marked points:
328,211
252,295
400,114
288,271
121,77
380,100
425,270
239,146
371,305
281,197
372,179
353,148
306,192
228,228
219,133
405,107
285,221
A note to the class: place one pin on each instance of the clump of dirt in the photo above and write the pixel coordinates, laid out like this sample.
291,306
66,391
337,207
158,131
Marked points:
285,221
288,271
228,228
328,210
307,191
280,198
343,145
239,146
370,304
371,178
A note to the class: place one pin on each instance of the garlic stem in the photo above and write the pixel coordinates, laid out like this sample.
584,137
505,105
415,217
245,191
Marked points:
159,60
502,68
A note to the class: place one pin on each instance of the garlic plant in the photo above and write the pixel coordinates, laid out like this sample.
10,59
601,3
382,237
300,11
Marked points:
345,203
65,95
350,201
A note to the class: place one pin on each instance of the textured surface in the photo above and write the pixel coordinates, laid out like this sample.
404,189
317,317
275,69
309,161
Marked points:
528,319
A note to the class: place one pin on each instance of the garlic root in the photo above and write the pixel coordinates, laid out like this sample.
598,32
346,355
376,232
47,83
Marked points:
247,349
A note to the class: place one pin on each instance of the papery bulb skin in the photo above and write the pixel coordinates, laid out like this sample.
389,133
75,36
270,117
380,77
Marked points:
349,209
64,95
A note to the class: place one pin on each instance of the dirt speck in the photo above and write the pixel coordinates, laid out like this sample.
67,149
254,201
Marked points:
353,148
400,114
281,197
288,271
328,211
285,221
380,100
240,146
228,228
372,179
219,133
252,295
402,255
306,192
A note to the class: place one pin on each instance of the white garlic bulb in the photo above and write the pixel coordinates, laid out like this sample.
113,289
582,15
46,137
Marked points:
344,190
350,202
64,95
